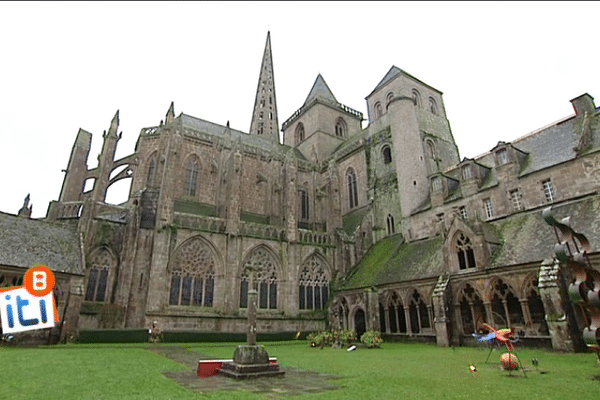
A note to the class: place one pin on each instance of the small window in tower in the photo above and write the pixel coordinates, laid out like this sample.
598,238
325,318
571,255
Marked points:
260,116
432,105
260,128
299,133
340,128
391,229
416,96
387,154
378,110
389,98
270,115
436,183
430,149
262,103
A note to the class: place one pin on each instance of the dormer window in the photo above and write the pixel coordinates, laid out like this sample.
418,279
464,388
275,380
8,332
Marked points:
436,183
467,172
502,155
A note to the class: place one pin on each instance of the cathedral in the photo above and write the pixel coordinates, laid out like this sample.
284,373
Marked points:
349,222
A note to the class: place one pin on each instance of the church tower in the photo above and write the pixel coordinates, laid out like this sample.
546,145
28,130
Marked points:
264,117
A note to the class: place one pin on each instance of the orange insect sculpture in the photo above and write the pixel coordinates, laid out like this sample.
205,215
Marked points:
510,361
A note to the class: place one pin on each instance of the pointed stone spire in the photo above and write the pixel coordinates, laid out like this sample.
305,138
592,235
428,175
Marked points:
264,117
320,90
114,125
170,114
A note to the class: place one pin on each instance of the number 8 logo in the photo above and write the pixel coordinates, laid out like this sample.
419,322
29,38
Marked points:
39,280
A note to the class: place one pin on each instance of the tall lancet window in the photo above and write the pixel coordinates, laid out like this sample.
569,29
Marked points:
191,176
151,171
352,188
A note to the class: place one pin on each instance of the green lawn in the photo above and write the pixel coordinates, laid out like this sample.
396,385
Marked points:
396,371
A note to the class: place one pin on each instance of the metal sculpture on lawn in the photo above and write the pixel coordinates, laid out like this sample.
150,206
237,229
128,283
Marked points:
584,290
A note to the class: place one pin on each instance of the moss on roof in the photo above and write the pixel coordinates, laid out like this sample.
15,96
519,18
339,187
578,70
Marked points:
25,242
353,219
528,238
392,260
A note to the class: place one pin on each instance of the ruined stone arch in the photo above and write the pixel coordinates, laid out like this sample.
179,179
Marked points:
313,283
100,274
192,270
268,274
469,308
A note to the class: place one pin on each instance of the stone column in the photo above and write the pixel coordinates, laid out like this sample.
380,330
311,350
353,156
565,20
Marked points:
407,318
252,296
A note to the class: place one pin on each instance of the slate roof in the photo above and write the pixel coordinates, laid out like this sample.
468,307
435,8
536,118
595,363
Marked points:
25,242
392,260
320,90
210,128
528,238
392,73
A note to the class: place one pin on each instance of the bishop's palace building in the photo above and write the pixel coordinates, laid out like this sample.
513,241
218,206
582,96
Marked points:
342,226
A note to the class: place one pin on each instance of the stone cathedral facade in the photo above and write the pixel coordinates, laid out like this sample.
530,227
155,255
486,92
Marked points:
352,222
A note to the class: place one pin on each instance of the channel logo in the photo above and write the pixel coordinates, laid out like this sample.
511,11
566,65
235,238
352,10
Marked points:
31,306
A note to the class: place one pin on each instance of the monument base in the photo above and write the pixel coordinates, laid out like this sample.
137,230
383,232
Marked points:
250,361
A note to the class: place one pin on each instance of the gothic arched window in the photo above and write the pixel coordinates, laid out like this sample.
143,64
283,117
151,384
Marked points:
419,315
191,176
98,276
506,307
263,264
396,316
471,308
192,275
299,132
352,188
340,128
386,153
314,285
464,252
151,171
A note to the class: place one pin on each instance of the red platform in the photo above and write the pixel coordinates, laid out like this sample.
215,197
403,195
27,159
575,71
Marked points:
208,368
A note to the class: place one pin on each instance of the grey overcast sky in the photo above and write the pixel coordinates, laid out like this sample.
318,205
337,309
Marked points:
505,68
